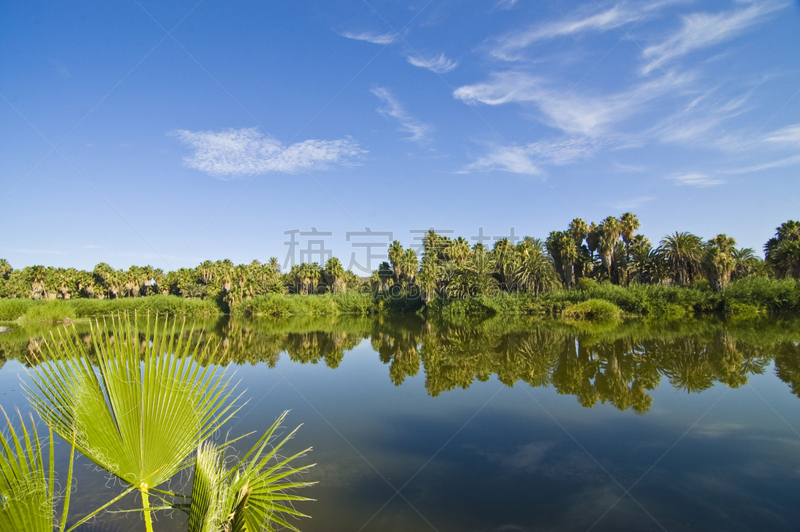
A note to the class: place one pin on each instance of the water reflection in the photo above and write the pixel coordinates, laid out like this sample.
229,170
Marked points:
618,364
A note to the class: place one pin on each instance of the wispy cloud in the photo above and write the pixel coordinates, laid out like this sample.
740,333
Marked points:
632,203
696,179
778,163
700,30
527,159
234,153
374,38
506,4
513,159
510,47
570,112
439,64
790,135
419,131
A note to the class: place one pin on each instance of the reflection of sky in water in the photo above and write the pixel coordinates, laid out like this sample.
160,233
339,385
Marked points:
494,458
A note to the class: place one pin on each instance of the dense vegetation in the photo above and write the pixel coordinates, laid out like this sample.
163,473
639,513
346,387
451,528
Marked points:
607,261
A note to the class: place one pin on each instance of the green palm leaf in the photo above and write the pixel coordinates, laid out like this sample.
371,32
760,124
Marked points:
254,495
26,488
145,409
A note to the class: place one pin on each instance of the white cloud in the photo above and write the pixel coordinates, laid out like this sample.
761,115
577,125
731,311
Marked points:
696,180
700,30
374,38
526,159
514,159
789,135
509,47
238,152
570,112
439,64
419,131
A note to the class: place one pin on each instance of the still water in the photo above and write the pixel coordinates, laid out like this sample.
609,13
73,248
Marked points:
510,426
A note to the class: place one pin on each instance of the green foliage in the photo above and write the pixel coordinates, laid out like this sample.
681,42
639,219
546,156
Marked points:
48,312
763,293
141,416
11,309
27,489
592,309
159,304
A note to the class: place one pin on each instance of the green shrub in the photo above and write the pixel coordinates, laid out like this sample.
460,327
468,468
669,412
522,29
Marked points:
159,304
594,309
11,309
48,312
586,284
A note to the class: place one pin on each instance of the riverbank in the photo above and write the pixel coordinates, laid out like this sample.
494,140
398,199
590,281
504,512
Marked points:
588,300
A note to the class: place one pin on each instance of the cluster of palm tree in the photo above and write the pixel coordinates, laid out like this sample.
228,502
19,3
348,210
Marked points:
310,278
449,267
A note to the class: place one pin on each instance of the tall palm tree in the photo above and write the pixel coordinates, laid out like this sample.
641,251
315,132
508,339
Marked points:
395,257
409,265
720,260
579,230
334,275
629,224
561,246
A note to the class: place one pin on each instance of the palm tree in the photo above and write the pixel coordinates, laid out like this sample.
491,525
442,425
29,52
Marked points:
782,252
536,272
409,265
683,251
630,223
579,230
747,263
274,264
5,269
385,273
334,275
561,246
609,232
720,261
395,257
505,258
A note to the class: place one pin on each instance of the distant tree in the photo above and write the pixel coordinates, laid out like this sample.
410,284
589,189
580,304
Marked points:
783,250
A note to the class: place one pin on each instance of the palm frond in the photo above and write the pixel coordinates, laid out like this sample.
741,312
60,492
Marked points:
254,495
27,500
145,409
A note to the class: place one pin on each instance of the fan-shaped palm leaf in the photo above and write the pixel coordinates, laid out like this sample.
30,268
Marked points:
139,419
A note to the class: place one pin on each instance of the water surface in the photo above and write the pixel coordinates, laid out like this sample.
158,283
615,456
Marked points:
513,425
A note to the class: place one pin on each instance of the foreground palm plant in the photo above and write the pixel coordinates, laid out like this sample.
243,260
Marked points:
146,409
27,490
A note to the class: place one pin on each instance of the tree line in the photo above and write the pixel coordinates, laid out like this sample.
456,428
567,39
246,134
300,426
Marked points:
448,268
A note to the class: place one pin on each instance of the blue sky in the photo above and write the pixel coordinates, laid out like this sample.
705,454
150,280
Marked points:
141,133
